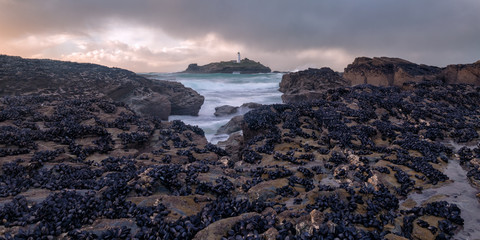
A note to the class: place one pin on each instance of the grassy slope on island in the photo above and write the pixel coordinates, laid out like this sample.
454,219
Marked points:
245,66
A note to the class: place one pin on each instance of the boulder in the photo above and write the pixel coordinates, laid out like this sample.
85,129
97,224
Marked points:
184,101
266,190
462,73
251,105
219,229
156,104
309,84
225,110
19,76
233,145
234,125
384,71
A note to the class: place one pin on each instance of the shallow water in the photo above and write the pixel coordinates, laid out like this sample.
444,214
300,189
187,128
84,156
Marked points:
224,89
461,193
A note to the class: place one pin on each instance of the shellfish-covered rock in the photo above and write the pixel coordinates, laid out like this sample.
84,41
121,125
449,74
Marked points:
309,84
385,71
346,166
19,76
220,228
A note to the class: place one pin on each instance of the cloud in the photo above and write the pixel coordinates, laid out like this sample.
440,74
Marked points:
282,33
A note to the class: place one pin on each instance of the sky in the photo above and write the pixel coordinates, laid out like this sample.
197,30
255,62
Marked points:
286,35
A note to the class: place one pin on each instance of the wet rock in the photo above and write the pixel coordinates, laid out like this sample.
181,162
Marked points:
267,189
219,229
233,145
392,236
234,125
421,232
225,110
271,234
251,105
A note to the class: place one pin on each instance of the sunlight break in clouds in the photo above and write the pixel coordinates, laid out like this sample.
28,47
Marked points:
144,49
164,35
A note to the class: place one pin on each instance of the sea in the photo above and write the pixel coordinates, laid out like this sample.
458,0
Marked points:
224,89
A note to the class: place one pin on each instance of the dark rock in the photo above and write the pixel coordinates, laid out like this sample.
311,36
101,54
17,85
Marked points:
245,66
157,98
233,145
309,84
384,71
219,229
462,73
251,105
156,104
225,110
234,125
184,101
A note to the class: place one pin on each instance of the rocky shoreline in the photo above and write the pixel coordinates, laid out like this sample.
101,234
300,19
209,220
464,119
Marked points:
19,76
378,71
343,166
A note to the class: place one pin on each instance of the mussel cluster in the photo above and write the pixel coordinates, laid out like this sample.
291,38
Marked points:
339,167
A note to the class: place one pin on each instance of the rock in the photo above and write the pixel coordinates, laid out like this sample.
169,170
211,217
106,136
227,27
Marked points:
462,73
225,110
184,101
225,161
309,84
270,234
317,218
233,145
245,66
384,71
251,105
392,236
234,125
267,189
220,228
156,105
19,76
421,233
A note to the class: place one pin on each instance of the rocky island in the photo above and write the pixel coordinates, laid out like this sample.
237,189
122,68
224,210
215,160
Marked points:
244,66
351,162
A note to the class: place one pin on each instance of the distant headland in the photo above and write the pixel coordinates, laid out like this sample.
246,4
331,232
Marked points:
244,66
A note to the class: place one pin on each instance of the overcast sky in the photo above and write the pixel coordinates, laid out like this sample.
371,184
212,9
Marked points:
165,36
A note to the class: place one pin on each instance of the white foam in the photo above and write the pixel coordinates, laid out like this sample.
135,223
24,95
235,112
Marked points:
224,89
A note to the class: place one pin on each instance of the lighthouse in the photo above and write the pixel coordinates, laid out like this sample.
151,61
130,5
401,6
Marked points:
238,55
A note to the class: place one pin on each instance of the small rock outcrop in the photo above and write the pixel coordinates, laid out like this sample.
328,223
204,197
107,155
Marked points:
234,125
245,66
384,71
19,76
309,84
225,110
251,105
462,73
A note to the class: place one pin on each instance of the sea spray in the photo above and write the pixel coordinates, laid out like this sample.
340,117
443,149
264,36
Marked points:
224,89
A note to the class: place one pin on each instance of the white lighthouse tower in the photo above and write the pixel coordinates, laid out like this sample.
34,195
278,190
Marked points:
238,55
